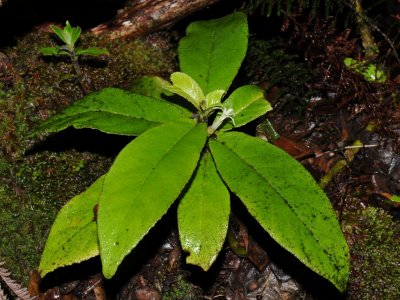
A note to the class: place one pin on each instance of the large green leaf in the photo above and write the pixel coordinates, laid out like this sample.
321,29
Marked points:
116,111
73,237
213,50
203,215
145,179
286,201
248,103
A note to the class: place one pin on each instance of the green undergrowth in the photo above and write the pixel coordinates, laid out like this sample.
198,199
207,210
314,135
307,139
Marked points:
272,66
31,193
42,86
24,226
34,185
374,240
181,289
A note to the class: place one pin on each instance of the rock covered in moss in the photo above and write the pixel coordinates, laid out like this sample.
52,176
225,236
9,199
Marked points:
374,239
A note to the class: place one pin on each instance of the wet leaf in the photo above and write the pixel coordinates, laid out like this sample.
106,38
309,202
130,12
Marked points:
369,71
213,50
116,111
186,87
214,98
286,201
203,215
248,103
145,179
73,236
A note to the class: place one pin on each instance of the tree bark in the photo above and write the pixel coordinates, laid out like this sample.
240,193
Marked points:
141,17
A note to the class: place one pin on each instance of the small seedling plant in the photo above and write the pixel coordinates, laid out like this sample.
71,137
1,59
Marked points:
196,156
70,35
371,72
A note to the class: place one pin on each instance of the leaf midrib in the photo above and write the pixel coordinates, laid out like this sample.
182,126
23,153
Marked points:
274,189
138,191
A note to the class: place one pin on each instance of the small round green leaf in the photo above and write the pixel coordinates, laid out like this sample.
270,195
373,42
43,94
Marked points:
203,215
286,201
146,178
73,237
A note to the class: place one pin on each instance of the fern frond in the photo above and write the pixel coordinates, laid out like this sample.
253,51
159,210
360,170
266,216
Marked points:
19,291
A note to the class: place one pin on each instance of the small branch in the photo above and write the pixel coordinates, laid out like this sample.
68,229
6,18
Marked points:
349,154
366,20
83,82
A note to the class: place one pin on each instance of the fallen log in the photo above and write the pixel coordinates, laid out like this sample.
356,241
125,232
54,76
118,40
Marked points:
141,17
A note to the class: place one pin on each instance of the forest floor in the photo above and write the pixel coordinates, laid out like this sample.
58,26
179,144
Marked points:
342,127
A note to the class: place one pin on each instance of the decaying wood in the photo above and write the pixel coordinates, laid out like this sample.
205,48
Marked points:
141,17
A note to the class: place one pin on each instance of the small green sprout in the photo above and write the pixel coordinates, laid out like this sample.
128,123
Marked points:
370,71
70,35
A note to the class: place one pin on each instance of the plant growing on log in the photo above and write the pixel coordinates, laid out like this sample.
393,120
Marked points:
194,157
70,35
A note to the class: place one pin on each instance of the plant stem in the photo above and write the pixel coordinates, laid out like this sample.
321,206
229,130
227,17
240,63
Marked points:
83,82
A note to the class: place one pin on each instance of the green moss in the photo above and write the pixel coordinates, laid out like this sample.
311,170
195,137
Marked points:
36,189
42,86
24,226
374,239
181,289
33,187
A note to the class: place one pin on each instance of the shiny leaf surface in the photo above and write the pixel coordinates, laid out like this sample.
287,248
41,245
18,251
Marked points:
248,103
185,86
286,201
145,179
73,237
213,50
116,111
203,215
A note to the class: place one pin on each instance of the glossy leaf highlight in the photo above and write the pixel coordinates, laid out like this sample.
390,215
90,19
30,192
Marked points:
203,215
185,86
286,201
145,179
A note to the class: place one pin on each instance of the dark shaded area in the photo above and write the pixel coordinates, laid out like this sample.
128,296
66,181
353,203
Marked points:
82,140
18,17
